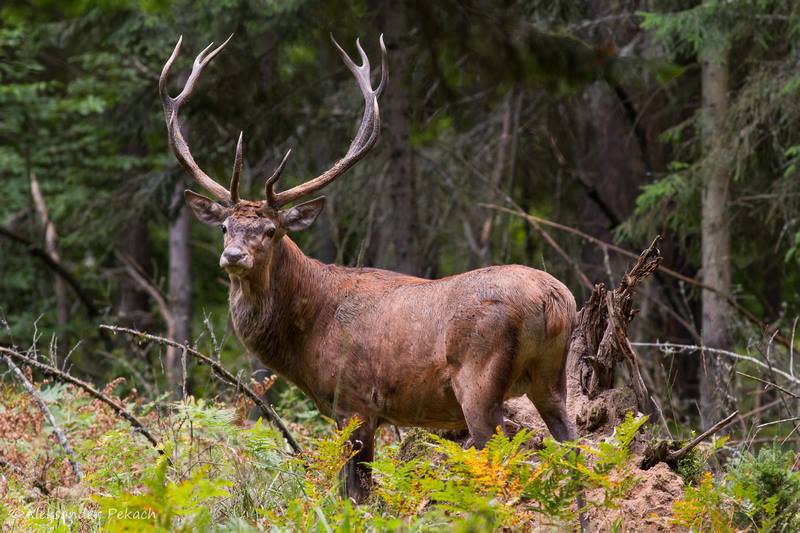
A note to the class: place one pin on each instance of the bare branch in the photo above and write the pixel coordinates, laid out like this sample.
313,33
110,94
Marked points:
661,453
51,246
60,435
679,454
63,376
136,274
671,346
54,265
770,384
782,420
222,372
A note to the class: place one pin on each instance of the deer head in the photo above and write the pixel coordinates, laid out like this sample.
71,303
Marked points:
250,228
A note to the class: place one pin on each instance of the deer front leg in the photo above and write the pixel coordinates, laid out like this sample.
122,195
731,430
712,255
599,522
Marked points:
357,473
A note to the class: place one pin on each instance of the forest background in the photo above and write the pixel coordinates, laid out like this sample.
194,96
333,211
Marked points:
620,120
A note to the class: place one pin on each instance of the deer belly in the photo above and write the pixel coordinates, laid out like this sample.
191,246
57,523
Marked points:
418,395
426,408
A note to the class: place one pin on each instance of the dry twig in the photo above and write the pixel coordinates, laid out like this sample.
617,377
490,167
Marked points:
63,376
679,454
222,372
662,452
769,384
671,346
59,433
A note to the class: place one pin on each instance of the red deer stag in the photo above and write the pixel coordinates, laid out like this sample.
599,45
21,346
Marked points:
379,345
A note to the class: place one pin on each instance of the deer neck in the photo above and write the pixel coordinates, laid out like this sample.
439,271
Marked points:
274,308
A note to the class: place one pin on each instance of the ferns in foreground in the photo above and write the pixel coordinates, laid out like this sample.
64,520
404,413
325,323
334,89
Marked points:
223,474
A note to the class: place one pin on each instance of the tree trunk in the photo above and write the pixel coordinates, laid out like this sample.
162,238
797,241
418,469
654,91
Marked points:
716,372
180,284
133,303
52,248
399,244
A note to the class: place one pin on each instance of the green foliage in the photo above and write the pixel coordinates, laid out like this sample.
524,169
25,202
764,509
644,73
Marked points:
506,483
758,492
691,467
219,474
755,41
166,505
700,28
701,508
694,464
766,490
216,473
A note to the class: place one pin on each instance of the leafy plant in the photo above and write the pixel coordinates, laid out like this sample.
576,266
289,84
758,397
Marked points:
766,490
703,508
165,505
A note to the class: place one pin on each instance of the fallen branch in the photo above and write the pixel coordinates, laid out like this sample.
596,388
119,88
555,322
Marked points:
662,453
678,455
21,474
59,433
63,376
222,372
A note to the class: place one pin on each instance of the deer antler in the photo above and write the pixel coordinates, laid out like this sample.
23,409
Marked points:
176,140
365,137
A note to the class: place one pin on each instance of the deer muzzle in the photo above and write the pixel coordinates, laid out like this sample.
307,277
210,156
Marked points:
235,258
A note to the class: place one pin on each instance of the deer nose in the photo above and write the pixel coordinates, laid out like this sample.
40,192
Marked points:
232,257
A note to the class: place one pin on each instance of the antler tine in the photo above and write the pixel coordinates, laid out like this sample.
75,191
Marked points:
384,68
366,135
162,80
362,74
237,170
269,188
172,106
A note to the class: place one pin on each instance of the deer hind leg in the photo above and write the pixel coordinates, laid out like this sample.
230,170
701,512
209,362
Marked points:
548,393
480,387
357,473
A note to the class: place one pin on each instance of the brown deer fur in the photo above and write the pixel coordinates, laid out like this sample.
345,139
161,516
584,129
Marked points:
391,348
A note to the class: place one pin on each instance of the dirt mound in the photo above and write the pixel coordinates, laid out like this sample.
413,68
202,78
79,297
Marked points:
648,506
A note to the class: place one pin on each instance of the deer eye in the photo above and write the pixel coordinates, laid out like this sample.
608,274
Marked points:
270,232
224,229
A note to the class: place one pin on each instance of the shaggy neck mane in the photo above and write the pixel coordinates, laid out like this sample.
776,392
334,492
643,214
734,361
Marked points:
274,306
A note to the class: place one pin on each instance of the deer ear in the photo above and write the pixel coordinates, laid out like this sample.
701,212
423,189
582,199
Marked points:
303,215
206,210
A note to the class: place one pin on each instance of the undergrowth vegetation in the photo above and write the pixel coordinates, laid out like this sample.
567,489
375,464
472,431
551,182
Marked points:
217,470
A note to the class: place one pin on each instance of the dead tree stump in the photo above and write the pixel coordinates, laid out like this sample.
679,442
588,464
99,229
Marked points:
600,342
